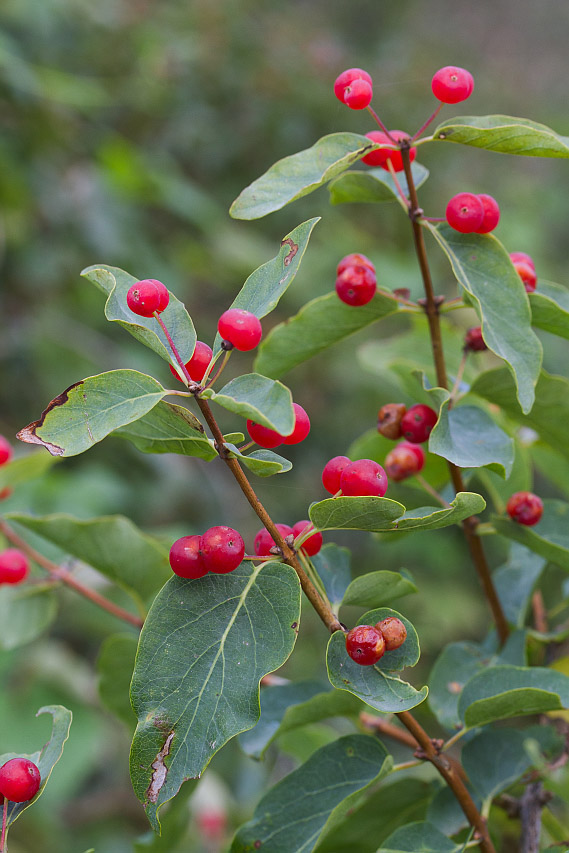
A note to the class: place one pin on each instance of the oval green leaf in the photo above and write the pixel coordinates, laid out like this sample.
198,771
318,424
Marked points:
419,836
168,428
468,437
114,666
375,185
25,468
263,463
332,564
25,613
550,308
456,664
355,513
505,134
377,588
463,506
263,400
515,582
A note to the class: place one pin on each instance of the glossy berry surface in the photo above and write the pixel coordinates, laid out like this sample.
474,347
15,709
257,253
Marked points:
417,423
301,426
389,420
380,155
491,214
14,566
404,461
365,644
264,436
313,544
465,213
198,364
354,260
186,559
20,780
240,328
332,473
394,632
356,285
364,477
452,84
222,549
147,296
347,77
6,451
525,508
473,340
264,541
527,275
522,256
358,95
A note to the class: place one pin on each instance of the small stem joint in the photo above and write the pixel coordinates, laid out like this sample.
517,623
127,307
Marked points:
437,302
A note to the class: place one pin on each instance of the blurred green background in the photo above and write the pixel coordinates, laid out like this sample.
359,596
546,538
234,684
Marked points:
126,129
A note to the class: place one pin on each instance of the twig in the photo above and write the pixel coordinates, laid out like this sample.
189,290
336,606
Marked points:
433,492
539,612
4,825
427,123
383,727
377,119
402,197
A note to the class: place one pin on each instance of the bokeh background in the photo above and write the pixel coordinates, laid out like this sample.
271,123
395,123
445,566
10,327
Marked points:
127,127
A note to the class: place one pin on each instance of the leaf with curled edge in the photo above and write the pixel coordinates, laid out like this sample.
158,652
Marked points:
505,134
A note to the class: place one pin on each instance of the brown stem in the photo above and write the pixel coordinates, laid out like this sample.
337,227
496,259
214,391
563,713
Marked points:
539,612
61,574
4,825
382,727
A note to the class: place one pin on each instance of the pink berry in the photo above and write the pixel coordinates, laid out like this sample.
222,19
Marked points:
313,544
452,85
345,78
365,644
465,213
6,451
147,297
14,566
380,155
332,473
522,256
491,214
474,341
404,461
240,328
356,285
358,95
264,436
394,632
354,260
222,549
20,780
186,559
198,364
417,423
301,426
525,508
364,477
527,275
395,156
264,541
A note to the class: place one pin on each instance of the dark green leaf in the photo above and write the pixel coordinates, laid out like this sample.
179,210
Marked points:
263,463
493,760
319,324
315,798
299,174
549,538
174,825
115,665
456,664
463,506
25,612
550,308
263,400
445,813
515,581
333,566
352,513
377,588
203,649
419,837
375,185
168,428
551,464
25,468
467,436
506,134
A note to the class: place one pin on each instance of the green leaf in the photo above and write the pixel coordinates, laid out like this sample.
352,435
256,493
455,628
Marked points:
168,428
315,798
318,325
468,437
377,588
89,410
483,268
494,760
115,283
355,513
25,613
463,506
456,664
203,649
175,825
382,692
549,538
299,174
332,564
445,813
112,544
515,582
263,463
419,837
263,400
46,758
375,185
502,692
505,134
114,666
550,308
25,468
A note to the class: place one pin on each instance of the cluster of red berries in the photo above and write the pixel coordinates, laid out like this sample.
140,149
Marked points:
473,214
20,780
270,438
354,88
395,420
356,281
385,156
264,542
354,479
525,268
14,566
366,644
219,550
525,508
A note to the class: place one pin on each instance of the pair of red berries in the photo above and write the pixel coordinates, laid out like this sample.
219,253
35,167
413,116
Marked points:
264,541
525,268
270,438
415,424
20,780
356,281
14,566
355,479
366,644
219,550
525,508
473,214
384,156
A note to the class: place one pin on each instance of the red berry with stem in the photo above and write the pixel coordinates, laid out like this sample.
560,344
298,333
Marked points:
365,644
186,559
417,423
313,544
389,420
6,451
525,508
491,214
395,156
394,632
356,285
404,461
522,256
354,260
465,213
198,364
301,426
264,541
147,297
14,566
20,780
264,436
363,477
332,473
222,549
347,77
240,328
474,341
452,84
527,275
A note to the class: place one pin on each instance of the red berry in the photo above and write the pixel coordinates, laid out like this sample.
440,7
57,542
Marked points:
345,78
465,213
198,364
365,644
395,156
491,214
354,260
264,541
417,423
301,426
332,473
356,285
6,492
404,461
389,420
473,340
380,155
240,328
20,780
222,549
147,296
394,632
364,477
525,508
186,559
14,566
313,544
452,85
527,275
358,95
6,451
522,256
264,436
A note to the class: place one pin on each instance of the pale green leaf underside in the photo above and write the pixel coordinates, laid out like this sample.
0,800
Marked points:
550,308
332,564
505,134
456,664
468,437
25,468
258,398
263,463
549,538
168,428
494,760
26,611
375,589
374,185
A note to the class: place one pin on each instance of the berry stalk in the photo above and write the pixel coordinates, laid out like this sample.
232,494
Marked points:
4,825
